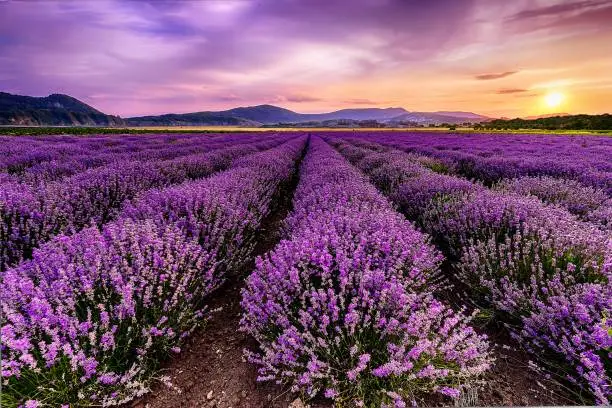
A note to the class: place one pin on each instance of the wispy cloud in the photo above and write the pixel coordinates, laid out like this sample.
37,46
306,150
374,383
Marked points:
557,10
527,95
486,77
511,91
360,101
564,17
228,97
301,98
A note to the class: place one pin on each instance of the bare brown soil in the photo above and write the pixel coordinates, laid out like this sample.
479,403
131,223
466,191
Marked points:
211,370
512,381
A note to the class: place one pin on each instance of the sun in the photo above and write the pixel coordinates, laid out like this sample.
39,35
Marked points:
554,99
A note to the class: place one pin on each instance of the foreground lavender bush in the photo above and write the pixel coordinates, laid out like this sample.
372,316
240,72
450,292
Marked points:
89,317
559,288
340,309
575,324
538,266
504,240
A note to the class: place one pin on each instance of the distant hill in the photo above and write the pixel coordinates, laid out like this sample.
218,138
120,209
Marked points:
273,115
53,110
263,115
569,122
379,114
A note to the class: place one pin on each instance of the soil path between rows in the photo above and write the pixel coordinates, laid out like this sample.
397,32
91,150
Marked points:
514,379
211,371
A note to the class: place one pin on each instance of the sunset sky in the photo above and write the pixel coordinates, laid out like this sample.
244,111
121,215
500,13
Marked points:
494,57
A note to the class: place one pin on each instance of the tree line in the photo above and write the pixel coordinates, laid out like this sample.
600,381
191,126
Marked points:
570,122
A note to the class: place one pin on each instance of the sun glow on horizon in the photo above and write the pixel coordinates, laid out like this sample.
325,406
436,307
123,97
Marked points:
554,99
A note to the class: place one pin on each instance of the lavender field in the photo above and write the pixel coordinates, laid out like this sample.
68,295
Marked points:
371,269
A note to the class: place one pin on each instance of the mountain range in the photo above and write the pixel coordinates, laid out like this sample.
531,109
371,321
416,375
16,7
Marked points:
274,115
64,110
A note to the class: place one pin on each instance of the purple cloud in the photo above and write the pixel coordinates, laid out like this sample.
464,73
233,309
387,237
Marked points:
557,10
228,97
579,16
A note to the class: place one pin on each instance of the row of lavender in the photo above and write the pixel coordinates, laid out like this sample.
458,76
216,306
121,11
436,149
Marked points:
545,273
20,153
575,172
491,158
89,318
32,214
343,306
589,202
38,161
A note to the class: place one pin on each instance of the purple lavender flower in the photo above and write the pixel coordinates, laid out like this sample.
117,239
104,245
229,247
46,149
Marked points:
342,306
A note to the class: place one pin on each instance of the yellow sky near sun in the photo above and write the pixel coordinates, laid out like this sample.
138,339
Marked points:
428,92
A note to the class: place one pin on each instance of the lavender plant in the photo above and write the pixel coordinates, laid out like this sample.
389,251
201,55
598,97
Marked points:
493,157
86,321
31,216
342,308
223,212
